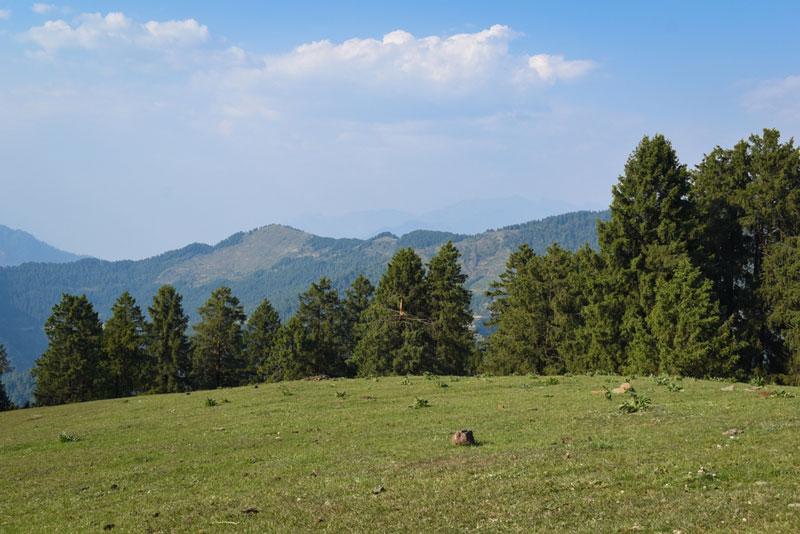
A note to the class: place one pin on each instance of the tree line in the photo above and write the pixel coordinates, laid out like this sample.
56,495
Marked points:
417,320
697,274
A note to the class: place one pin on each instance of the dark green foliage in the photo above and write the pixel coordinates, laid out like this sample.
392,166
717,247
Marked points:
395,335
536,313
313,342
781,292
5,402
450,313
124,365
259,340
359,296
651,219
749,199
27,292
167,345
217,343
68,371
690,337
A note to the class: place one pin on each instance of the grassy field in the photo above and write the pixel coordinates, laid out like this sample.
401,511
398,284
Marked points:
356,456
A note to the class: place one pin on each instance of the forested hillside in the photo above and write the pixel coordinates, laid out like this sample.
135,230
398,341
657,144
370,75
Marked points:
274,262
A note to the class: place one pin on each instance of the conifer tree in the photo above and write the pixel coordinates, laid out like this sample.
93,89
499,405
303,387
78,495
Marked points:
395,336
451,315
691,338
358,297
748,198
69,368
651,221
313,342
125,360
217,343
167,346
259,340
781,291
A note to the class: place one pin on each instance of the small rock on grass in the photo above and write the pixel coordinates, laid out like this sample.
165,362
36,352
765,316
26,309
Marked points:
728,388
463,437
378,489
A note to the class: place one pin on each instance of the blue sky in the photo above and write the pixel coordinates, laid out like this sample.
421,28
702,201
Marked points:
131,128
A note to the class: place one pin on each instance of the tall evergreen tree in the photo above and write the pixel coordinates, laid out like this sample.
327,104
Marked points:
395,335
259,340
125,362
651,221
451,315
781,292
5,367
313,341
537,314
68,370
691,338
217,343
357,300
748,198
167,345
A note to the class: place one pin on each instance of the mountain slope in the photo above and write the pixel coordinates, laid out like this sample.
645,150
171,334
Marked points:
17,247
276,262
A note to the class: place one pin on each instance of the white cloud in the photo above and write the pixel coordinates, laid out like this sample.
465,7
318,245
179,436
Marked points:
93,31
779,96
43,9
551,68
400,55
5,14
181,32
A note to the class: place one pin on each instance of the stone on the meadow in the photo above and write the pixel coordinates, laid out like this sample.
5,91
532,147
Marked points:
463,437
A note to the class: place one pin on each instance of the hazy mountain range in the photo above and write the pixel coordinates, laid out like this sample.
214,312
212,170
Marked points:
17,247
276,262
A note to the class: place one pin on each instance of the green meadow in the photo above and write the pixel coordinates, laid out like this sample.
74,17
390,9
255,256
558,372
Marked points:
367,455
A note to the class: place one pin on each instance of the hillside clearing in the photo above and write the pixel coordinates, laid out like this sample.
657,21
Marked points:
355,456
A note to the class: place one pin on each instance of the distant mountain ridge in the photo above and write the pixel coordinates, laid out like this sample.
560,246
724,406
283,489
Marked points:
276,262
18,247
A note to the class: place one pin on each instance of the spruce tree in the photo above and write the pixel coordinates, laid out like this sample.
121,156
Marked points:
358,297
125,362
313,342
691,337
651,221
259,340
217,343
68,371
451,315
781,292
167,345
748,198
395,337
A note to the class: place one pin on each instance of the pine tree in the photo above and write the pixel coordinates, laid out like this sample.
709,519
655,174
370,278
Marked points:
781,292
167,345
451,315
259,340
69,368
537,314
5,367
358,297
651,221
217,343
125,360
313,341
395,336
690,336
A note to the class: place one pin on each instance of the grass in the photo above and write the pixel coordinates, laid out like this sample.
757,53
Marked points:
552,457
